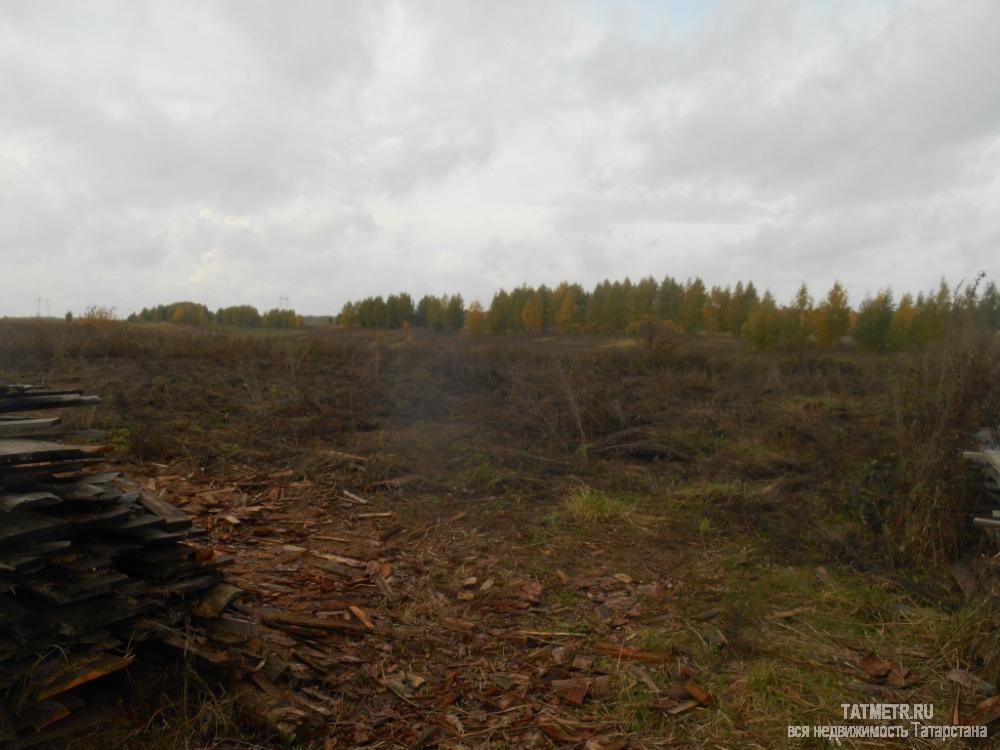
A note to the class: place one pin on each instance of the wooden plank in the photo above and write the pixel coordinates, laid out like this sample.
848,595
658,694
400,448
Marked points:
59,674
216,600
992,459
281,620
113,548
163,555
16,389
17,560
27,501
165,573
77,723
79,561
10,611
212,656
189,585
173,518
20,451
150,536
81,500
25,525
108,517
21,427
21,563
19,474
70,590
42,714
232,628
74,620
103,477
139,520
45,401
79,671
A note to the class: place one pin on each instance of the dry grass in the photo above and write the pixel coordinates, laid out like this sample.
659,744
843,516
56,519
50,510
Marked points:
588,505
944,394
731,474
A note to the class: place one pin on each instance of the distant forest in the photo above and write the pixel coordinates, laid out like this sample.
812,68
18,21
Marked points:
238,316
650,309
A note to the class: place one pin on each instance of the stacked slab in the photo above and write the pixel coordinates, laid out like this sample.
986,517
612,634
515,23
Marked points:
90,565
987,460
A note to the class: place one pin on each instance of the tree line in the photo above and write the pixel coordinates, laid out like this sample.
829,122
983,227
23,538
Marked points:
237,316
878,323
446,312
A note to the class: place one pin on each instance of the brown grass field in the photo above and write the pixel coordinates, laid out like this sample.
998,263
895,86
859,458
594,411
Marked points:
753,523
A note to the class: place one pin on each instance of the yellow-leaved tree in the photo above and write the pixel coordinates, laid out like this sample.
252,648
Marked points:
533,313
566,310
833,317
475,318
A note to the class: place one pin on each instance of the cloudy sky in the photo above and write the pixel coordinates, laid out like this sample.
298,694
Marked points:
231,152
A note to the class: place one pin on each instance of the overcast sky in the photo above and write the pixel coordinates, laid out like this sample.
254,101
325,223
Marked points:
231,152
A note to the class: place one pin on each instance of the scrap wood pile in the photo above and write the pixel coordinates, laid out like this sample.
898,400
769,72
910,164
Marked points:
90,565
987,460
400,636
979,575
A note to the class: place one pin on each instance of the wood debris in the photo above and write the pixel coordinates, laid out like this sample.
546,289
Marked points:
92,568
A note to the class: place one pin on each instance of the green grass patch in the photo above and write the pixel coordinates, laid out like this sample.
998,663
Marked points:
565,598
782,580
711,490
485,477
653,639
590,505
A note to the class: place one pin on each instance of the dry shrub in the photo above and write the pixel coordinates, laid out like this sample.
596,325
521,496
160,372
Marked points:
949,391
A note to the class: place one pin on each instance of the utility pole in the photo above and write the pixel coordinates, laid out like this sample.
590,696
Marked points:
283,302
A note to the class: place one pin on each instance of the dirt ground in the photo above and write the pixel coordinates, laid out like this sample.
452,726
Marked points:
550,542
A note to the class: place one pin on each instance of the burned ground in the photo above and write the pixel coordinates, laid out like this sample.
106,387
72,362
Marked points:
578,539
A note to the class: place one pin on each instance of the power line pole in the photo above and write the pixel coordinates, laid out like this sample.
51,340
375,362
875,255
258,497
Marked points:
283,302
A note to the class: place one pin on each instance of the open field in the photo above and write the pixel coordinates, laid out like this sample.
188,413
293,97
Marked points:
578,513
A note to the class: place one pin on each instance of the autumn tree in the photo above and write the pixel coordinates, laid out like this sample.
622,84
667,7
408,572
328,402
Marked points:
833,318
797,319
533,314
398,309
873,322
238,316
668,300
616,306
933,314
278,318
565,314
692,307
433,312
599,307
740,302
496,316
454,312
762,327
475,318
642,300
348,316
901,335
988,306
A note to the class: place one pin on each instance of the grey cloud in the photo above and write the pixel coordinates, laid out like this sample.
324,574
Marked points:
233,151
